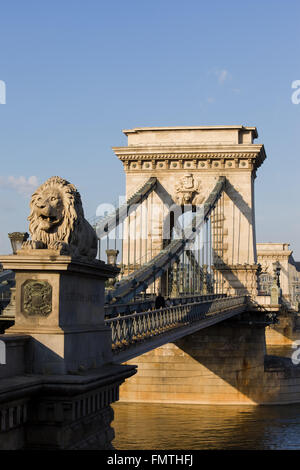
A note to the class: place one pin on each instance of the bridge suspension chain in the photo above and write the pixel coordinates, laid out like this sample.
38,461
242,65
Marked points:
171,250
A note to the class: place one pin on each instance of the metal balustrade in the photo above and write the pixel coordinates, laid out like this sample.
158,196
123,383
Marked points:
142,305
130,329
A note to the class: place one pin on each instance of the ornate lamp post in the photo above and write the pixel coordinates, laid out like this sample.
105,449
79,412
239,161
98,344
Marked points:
174,291
275,289
205,283
112,260
181,278
16,240
276,270
112,257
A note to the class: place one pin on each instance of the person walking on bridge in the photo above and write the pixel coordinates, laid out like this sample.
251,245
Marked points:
160,301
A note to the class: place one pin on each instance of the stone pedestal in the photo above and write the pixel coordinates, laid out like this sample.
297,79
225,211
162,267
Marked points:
60,304
275,291
59,379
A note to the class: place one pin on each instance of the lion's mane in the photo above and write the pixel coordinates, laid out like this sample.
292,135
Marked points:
74,230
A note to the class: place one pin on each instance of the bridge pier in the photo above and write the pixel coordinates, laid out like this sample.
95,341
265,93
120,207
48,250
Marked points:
219,365
286,331
223,364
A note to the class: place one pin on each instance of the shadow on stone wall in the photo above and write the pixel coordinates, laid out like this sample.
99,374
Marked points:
239,201
286,331
228,360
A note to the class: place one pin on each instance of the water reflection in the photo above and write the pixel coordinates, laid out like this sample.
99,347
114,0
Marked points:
171,426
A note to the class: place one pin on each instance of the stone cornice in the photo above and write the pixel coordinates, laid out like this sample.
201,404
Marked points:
51,261
189,149
274,254
190,128
254,154
236,267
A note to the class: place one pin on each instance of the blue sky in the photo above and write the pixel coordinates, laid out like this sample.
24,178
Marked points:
78,72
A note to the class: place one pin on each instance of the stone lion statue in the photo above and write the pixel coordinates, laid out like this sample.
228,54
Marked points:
57,220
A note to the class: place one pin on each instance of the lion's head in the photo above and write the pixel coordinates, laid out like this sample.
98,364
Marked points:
55,209
57,220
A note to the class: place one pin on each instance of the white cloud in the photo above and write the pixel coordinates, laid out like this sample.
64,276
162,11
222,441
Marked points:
222,75
20,184
210,99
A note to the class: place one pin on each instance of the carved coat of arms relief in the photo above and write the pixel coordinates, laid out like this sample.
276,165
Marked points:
36,298
188,190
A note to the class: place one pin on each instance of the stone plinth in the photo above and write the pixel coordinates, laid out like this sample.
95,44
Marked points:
57,412
60,304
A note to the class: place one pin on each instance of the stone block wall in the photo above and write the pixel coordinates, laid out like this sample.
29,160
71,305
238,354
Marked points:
224,364
221,364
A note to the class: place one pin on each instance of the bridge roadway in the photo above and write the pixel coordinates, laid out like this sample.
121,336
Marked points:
137,333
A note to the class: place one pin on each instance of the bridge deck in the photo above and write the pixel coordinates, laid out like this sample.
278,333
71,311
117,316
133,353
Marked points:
135,334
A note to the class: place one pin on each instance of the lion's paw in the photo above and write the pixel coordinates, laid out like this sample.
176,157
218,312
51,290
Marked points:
32,245
62,247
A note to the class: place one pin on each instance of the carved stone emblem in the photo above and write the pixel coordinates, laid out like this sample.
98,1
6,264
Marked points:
187,190
37,298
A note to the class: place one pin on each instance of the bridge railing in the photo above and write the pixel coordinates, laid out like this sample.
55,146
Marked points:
142,305
130,329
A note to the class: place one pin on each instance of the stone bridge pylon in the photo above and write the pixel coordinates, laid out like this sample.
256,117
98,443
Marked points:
187,162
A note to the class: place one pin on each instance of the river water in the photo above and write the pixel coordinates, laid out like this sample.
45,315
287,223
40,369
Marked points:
158,426
197,427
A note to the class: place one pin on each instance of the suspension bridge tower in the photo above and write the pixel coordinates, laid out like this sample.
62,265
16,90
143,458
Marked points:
187,162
